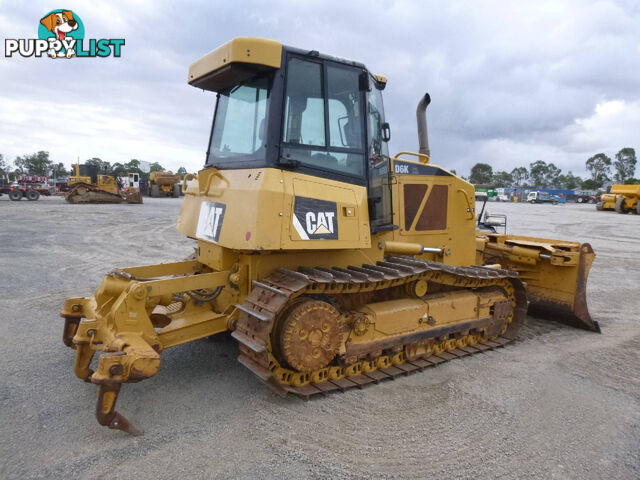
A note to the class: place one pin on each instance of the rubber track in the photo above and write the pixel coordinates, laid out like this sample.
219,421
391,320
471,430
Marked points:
271,294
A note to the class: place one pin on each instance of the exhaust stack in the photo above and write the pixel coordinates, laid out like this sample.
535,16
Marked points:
421,117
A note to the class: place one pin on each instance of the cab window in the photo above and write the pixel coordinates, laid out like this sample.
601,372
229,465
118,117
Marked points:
323,120
239,126
304,104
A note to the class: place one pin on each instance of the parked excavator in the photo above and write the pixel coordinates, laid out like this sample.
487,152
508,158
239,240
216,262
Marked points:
88,185
333,264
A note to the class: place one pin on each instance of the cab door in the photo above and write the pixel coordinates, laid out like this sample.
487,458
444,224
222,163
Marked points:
379,173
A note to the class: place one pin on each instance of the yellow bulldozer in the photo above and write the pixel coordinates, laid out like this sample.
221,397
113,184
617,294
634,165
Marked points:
87,185
621,198
164,184
333,264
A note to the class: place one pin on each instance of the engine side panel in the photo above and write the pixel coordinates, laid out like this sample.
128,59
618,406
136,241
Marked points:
271,209
435,208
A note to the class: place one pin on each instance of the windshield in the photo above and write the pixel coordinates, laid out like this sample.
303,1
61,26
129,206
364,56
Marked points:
239,129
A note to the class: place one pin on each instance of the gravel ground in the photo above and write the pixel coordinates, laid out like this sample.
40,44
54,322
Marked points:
558,403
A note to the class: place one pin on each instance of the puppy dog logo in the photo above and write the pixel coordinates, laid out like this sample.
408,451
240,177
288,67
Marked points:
315,219
61,23
61,35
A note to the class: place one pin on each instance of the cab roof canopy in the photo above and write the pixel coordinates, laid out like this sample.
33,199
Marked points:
235,62
243,57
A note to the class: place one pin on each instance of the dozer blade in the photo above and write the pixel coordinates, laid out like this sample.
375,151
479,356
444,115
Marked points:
132,196
555,273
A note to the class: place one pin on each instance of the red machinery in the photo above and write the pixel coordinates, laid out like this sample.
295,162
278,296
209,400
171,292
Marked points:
28,186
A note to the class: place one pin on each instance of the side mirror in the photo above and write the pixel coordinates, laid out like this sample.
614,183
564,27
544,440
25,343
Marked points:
385,130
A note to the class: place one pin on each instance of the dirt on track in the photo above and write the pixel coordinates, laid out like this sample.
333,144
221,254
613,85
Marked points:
558,403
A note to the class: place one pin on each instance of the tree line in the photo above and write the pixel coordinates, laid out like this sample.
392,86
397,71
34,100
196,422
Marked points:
33,164
132,166
539,174
547,175
39,163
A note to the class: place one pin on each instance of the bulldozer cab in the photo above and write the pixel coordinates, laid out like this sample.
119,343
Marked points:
83,173
299,110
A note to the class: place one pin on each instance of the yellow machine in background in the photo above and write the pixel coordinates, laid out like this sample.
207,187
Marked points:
333,264
621,198
164,183
607,201
87,185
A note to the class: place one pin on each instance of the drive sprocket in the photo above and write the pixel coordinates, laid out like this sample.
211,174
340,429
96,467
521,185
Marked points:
309,335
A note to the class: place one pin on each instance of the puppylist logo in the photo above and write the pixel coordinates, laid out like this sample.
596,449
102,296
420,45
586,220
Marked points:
61,35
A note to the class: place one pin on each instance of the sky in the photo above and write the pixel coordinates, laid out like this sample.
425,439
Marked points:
511,82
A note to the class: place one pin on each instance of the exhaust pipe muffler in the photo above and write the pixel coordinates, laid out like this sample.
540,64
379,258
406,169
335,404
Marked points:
421,117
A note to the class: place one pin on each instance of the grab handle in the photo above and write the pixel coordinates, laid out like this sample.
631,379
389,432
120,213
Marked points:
215,173
188,176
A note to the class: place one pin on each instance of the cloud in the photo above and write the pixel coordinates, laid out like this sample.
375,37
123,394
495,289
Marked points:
511,82
612,123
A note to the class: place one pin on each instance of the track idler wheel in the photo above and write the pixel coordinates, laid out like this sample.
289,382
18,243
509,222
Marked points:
308,335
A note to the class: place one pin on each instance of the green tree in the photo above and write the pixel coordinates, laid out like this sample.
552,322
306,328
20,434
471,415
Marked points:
156,167
4,166
502,179
551,175
590,184
520,175
118,170
625,164
569,181
538,172
133,166
183,171
34,164
58,170
481,173
599,167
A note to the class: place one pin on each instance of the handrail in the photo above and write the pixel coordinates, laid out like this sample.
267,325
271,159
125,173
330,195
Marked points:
421,156
470,209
